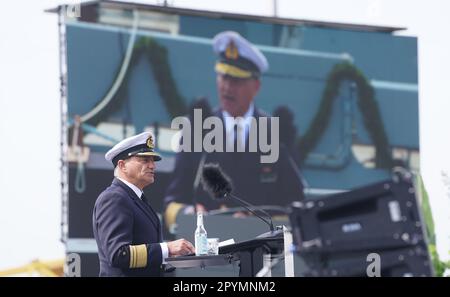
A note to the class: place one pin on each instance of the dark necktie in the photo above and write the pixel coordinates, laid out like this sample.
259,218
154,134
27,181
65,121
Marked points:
238,133
235,144
147,203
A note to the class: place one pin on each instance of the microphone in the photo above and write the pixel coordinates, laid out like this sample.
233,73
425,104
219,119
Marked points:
219,185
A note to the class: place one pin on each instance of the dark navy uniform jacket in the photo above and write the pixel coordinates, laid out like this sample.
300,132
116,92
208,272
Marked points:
276,183
121,219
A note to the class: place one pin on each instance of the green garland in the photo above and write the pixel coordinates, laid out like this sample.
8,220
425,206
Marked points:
176,106
367,105
157,57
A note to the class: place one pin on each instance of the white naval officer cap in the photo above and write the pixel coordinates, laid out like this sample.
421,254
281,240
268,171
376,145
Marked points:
237,56
138,145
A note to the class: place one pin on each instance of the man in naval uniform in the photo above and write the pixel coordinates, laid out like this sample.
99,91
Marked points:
238,71
126,228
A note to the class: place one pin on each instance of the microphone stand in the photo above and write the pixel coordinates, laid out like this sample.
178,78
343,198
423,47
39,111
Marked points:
248,207
197,180
279,209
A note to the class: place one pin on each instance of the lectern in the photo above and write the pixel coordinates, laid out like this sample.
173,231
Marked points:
250,255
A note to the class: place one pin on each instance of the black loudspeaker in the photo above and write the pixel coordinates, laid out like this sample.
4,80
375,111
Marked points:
410,261
335,234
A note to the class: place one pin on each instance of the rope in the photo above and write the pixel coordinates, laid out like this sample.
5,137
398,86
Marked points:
126,62
80,179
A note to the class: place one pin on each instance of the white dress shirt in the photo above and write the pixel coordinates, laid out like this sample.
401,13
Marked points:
243,125
164,247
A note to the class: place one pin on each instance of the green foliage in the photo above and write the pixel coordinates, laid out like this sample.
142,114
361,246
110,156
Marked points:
439,266
426,211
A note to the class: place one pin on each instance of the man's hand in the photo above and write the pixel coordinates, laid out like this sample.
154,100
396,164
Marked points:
180,247
240,215
191,210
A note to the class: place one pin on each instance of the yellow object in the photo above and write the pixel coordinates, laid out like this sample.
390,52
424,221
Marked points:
41,268
150,142
171,213
231,51
232,70
138,256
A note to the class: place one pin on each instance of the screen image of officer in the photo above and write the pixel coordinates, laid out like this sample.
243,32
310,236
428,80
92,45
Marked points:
238,68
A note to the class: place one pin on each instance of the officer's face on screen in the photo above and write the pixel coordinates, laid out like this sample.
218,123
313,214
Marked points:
140,171
236,94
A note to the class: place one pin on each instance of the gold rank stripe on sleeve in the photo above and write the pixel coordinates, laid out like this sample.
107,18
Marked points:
171,213
132,252
138,256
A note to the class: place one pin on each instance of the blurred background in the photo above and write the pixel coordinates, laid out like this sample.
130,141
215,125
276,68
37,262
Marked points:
401,47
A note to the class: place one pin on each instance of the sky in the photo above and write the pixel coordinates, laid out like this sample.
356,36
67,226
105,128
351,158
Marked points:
30,205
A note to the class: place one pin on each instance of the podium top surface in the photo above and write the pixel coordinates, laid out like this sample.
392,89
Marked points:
272,242
200,261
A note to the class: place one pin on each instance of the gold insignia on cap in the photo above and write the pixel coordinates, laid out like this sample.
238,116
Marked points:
231,52
150,142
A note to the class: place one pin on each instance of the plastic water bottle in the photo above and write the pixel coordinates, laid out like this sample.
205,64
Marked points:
201,238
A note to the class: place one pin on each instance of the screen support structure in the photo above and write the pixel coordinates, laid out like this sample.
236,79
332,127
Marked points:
64,122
